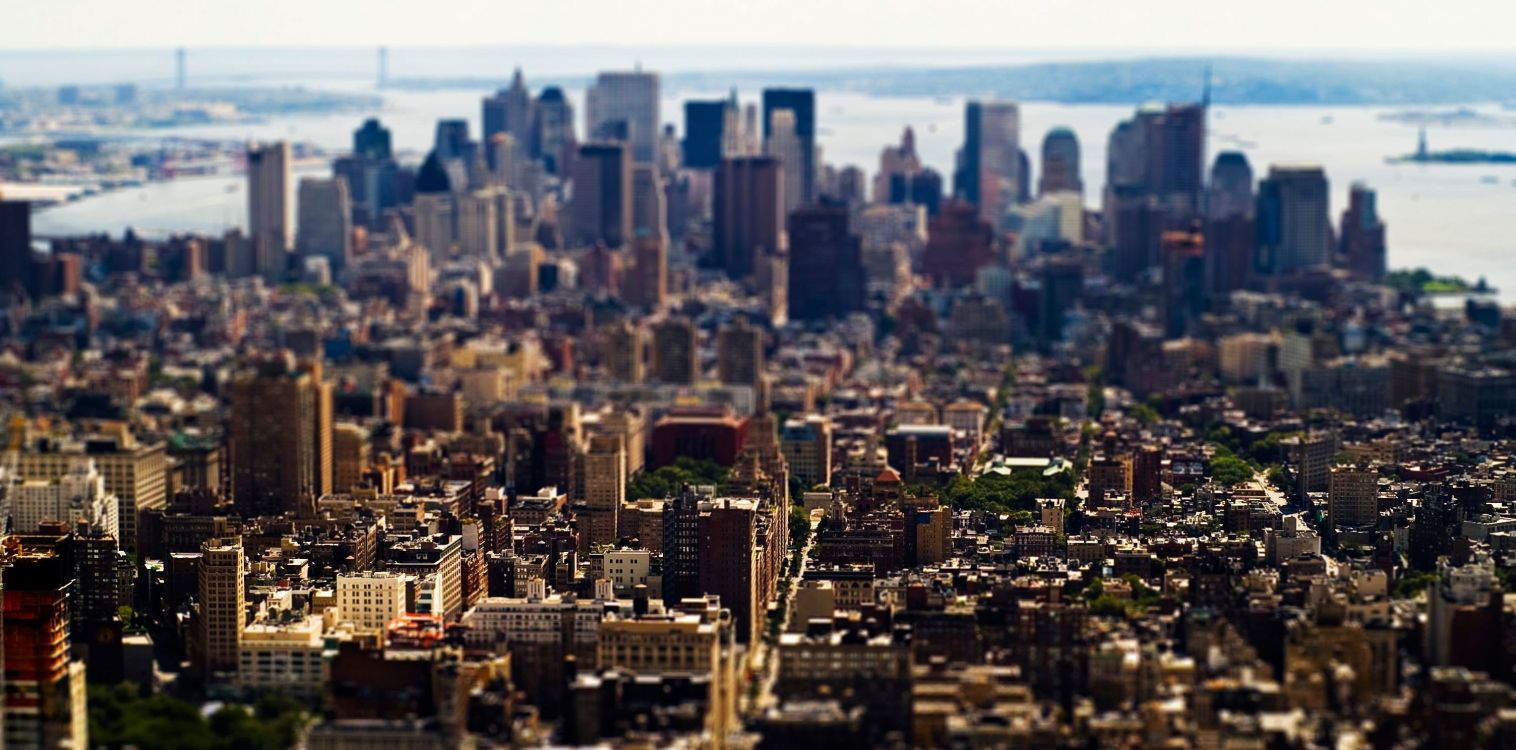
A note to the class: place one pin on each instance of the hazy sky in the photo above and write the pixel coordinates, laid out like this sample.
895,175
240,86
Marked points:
1315,26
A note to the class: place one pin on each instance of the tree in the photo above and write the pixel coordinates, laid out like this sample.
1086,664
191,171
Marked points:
1230,470
666,481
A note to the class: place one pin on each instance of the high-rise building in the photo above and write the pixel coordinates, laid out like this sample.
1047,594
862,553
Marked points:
989,165
802,102
552,138
15,246
826,275
604,489
783,143
1160,154
508,111
807,447
649,203
326,222
739,354
1294,228
622,345
268,204
1352,497
729,560
676,352
1230,234
369,600
221,615
371,174
75,498
749,213
135,472
630,98
601,210
479,224
647,286
705,132
1060,163
959,243
1363,245
280,435
44,704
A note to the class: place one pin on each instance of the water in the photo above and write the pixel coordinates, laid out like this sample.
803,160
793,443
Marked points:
1453,219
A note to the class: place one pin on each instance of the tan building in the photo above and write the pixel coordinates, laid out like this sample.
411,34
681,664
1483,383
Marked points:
648,286
283,656
1110,473
370,600
1353,496
621,350
351,456
739,354
280,433
676,352
692,641
604,488
136,473
222,606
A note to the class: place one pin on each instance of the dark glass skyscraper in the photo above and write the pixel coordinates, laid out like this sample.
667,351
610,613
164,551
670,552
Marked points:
826,264
803,103
704,132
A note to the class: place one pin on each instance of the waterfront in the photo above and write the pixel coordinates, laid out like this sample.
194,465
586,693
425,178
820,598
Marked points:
1451,218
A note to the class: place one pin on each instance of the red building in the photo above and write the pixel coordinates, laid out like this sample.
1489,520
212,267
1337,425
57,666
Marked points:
959,243
711,434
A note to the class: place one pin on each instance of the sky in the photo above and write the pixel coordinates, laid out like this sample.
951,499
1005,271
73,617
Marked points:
1341,27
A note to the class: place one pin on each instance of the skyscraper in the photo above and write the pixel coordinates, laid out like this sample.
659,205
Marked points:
1060,163
630,98
1230,234
1294,228
1160,152
508,111
280,435
43,688
602,203
325,228
604,488
648,285
552,136
749,214
15,246
739,354
802,102
959,243
621,350
649,203
826,275
268,204
1363,245
371,174
989,165
783,143
676,352
705,132
221,606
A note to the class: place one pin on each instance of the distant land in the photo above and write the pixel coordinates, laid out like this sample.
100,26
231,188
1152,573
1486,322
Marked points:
1234,80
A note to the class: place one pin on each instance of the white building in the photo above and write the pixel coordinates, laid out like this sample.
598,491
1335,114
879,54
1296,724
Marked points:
371,599
77,496
283,656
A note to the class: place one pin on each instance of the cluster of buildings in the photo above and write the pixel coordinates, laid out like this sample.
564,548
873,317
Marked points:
620,435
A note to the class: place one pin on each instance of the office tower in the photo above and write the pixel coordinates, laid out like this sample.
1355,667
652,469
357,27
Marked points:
739,354
896,166
552,136
221,606
1294,228
604,489
649,204
621,351
676,352
44,689
1134,224
436,229
601,210
647,286
807,448
1060,163
352,455
369,600
630,98
325,228
135,472
1230,234
452,141
1363,245
1062,286
802,102
268,206
748,206
705,132
15,246
280,435
783,143
508,111
1160,152
479,224
1183,280
989,165
826,277
1352,497
728,533
959,243
922,188
73,499
371,174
